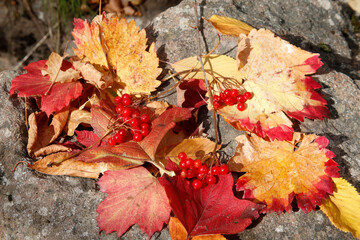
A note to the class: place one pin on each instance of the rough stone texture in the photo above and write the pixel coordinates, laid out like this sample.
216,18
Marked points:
36,206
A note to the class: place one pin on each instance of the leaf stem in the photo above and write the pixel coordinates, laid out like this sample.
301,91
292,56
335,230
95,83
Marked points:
208,88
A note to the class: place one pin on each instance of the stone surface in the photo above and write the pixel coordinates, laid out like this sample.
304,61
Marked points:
37,206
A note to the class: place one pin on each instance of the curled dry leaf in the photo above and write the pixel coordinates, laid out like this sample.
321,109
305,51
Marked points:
343,207
134,197
178,232
122,48
57,72
42,132
278,171
77,117
72,167
229,26
100,80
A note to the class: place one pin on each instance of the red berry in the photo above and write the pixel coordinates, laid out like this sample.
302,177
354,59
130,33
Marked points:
135,114
190,173
234,93
144,126
122,132
111,141
240,99
216,105
117,99
119,138
217,98
229,101
126,96
241,106
203,169
126,102
135,129
145,118
189,162
137,137
119,108
145,132
135,122
183,173
215,170
222,96
200,176
182,156
227,92
127,119
224,169
196,184
247,95
182,164
127,112
197,163
210,179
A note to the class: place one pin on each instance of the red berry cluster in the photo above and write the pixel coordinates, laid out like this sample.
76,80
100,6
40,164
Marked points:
230,97
199,174
139,124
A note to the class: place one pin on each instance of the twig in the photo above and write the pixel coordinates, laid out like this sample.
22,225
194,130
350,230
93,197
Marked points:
36,22
204,72
37,45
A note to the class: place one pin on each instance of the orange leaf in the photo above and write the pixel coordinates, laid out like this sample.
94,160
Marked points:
178,232
112,44
278,171
72,167
229,26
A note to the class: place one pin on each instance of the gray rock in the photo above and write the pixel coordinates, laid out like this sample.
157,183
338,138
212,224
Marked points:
37,206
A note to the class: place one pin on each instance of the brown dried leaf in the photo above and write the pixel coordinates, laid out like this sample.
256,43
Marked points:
54,64
77,117
41,133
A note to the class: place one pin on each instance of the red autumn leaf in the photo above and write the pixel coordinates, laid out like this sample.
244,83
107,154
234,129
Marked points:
191,93
134,197
87,138
211,210
103,117
33,83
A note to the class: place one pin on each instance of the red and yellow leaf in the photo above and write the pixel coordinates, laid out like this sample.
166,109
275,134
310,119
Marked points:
210,210
134,197
112,44
278,171
54,97
343,207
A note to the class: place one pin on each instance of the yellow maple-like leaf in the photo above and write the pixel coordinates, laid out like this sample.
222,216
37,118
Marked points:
113,44
278,171
274,72
229,26
343,207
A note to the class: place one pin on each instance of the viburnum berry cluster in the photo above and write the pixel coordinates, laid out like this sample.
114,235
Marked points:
230,97
199,174
138,124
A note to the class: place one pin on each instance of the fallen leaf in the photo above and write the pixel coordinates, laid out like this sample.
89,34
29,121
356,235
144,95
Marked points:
43,132
134,197
77,117
210,210
178,232
72,167
191,93
121,48
103,117
278,171
343,206
33,83
88,138
229,26
57,71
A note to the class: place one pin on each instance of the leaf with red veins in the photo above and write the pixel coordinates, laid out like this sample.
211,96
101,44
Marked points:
134,197
88,138
191,93
33,83
278,171
210,210
103,117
